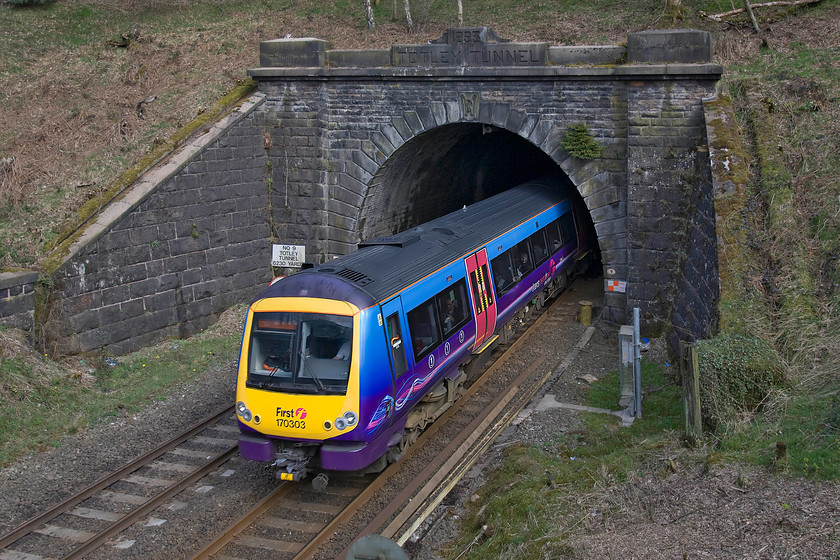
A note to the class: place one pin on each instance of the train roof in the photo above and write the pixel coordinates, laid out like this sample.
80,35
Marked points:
384,266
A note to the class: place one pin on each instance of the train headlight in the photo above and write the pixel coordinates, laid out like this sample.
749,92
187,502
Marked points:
243,411
349,419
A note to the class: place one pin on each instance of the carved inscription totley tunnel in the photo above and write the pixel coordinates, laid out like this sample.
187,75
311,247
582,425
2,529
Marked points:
470,47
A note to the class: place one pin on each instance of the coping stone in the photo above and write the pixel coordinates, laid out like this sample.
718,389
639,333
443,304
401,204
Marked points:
688,46
306,52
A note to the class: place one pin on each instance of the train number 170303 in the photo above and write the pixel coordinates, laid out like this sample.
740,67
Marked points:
291,423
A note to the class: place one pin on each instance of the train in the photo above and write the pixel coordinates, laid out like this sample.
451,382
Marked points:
343,365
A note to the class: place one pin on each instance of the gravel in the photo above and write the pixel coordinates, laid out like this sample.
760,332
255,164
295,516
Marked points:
696,512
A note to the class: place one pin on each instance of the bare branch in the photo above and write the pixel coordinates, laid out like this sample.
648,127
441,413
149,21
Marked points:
720,16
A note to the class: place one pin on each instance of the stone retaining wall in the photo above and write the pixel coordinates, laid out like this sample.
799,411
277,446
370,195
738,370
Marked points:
17,300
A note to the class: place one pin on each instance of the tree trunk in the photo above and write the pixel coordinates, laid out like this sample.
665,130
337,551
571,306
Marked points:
369,14
460,14
673,11
748,8
408,15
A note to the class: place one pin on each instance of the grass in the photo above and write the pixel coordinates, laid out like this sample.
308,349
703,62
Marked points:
806,425
189,53
535,501
41,401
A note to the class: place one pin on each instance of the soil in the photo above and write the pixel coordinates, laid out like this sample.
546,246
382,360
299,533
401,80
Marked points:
699,511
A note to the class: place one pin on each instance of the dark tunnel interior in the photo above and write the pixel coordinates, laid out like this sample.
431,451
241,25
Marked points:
442,170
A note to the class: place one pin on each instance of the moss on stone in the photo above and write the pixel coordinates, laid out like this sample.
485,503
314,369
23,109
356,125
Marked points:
74,227
730,174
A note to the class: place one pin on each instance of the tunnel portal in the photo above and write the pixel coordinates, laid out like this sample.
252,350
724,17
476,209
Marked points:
335,147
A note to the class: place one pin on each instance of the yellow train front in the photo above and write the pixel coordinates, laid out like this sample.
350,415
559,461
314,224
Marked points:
299,395
342,365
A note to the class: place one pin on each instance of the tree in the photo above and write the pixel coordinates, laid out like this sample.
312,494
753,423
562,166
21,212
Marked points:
748,8
369,15
408,15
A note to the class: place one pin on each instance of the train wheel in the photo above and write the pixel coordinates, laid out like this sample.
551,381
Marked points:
409,438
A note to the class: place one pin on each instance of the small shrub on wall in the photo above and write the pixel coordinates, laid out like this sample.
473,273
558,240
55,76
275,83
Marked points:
580,143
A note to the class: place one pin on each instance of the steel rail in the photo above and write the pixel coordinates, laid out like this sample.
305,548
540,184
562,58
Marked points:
455,451
263,506
27,527
153,503
453,476
475,427
312,546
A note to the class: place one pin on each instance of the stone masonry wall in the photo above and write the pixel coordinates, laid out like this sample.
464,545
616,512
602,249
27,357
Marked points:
190,246
672,256
326,198
17,300
328,154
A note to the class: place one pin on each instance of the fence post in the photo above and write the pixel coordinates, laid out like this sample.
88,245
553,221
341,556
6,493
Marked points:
690,372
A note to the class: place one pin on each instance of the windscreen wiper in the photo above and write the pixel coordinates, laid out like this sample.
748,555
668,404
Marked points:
267,380
315,378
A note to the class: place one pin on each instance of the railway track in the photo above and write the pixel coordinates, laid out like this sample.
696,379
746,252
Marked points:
83,522
294,521
297,522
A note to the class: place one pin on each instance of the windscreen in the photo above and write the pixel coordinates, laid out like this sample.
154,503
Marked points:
300,352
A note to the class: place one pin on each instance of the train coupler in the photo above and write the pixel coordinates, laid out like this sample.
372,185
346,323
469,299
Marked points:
291,463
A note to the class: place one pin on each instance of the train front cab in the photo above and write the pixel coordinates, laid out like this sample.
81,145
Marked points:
298,378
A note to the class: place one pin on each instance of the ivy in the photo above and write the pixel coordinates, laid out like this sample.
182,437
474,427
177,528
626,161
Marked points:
736,375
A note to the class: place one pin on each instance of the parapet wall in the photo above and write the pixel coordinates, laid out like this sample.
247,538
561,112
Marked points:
189,239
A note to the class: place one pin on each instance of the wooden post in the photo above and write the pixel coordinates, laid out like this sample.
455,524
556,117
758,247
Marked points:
585,313
690,371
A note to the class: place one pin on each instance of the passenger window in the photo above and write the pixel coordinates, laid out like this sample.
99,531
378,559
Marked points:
423,328
502,273
552,231
453,307
567,227
522,262
539,246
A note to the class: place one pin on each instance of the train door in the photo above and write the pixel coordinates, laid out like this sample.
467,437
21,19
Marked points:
395,333
484,306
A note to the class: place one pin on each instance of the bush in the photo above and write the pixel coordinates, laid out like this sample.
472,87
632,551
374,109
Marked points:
736,375
579,142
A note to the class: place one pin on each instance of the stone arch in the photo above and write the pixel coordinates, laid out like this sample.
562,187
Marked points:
397,148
